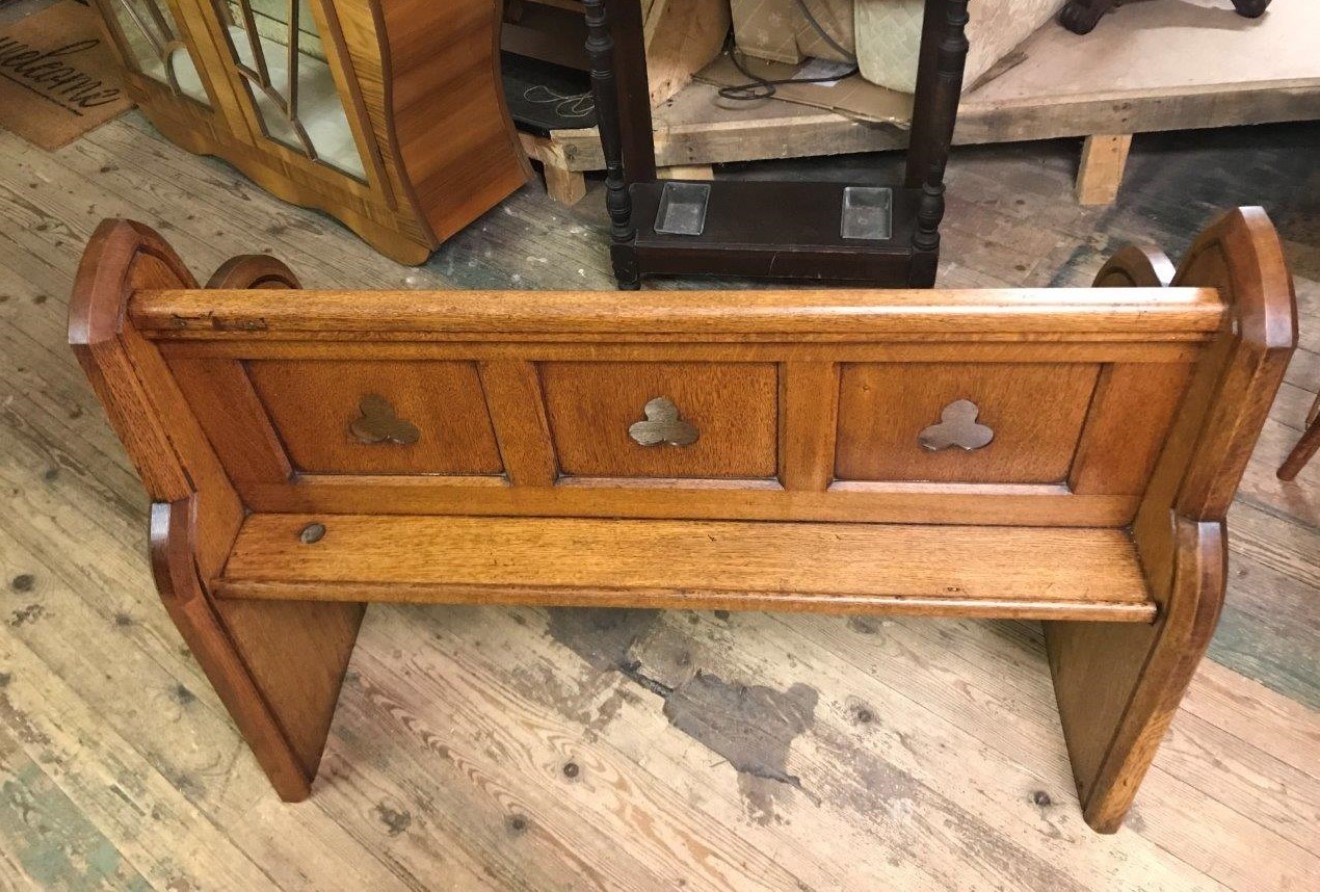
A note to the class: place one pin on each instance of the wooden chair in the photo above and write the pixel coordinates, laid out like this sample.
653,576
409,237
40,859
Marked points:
1066,455
1306,447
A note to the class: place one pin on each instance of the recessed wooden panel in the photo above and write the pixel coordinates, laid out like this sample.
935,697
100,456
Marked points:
314,405
1128,422
593,405
1035,411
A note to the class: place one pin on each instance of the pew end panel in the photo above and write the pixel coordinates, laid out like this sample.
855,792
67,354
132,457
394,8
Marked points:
1118,689
1055,454
277,667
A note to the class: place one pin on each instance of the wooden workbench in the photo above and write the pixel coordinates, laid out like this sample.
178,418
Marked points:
1146,67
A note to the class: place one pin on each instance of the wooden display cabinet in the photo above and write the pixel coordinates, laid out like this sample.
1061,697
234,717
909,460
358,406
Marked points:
387,114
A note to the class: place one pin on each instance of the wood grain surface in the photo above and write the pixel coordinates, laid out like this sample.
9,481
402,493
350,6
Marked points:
435,141
1172,314
1007,424
905,569
593,405
1035,411
111,719
314,404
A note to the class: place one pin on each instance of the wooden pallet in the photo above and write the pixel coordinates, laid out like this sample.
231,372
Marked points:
1145,68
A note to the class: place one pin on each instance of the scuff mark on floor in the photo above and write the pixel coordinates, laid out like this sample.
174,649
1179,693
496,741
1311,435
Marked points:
752,727
602,637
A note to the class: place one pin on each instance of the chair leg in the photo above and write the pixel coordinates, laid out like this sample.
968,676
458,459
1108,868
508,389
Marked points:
1306,447
1251,8
1119,685
1080,16
277,666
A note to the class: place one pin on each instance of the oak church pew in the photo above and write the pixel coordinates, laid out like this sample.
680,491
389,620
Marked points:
1066,455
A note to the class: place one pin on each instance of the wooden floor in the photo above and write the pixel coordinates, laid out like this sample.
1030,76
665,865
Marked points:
572,749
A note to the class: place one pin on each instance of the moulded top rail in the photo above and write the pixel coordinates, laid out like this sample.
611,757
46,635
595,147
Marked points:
1174,314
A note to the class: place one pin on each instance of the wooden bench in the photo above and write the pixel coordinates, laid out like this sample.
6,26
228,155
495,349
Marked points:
1065,455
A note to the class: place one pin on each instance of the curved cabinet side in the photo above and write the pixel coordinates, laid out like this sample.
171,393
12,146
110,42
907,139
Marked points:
459,148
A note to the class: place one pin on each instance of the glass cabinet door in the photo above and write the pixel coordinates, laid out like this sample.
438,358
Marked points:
149,40
281,59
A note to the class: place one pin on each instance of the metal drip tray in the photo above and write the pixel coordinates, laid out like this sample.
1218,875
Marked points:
868,213
682,209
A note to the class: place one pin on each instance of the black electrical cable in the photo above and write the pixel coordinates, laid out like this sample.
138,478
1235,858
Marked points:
759,87
824,35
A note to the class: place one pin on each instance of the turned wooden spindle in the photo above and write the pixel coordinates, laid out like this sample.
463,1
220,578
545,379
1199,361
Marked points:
618,203
934,113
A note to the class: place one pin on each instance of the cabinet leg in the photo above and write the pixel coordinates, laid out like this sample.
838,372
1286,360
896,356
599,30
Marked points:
1251,8
624,259
923,268
605,91
277,666
1080,16
1119,685
1104,158
939,89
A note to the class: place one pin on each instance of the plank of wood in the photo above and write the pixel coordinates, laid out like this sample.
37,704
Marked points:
726,413
702,172
808,424
565,186
1104,157
969,347
1267,630
113,648
46,841
880,764
994,687
1128,420
728,499
513,756
518,414
885,408
681,37
1268,721
990,571
100,785
308,403
773,129
631,747
1154,314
